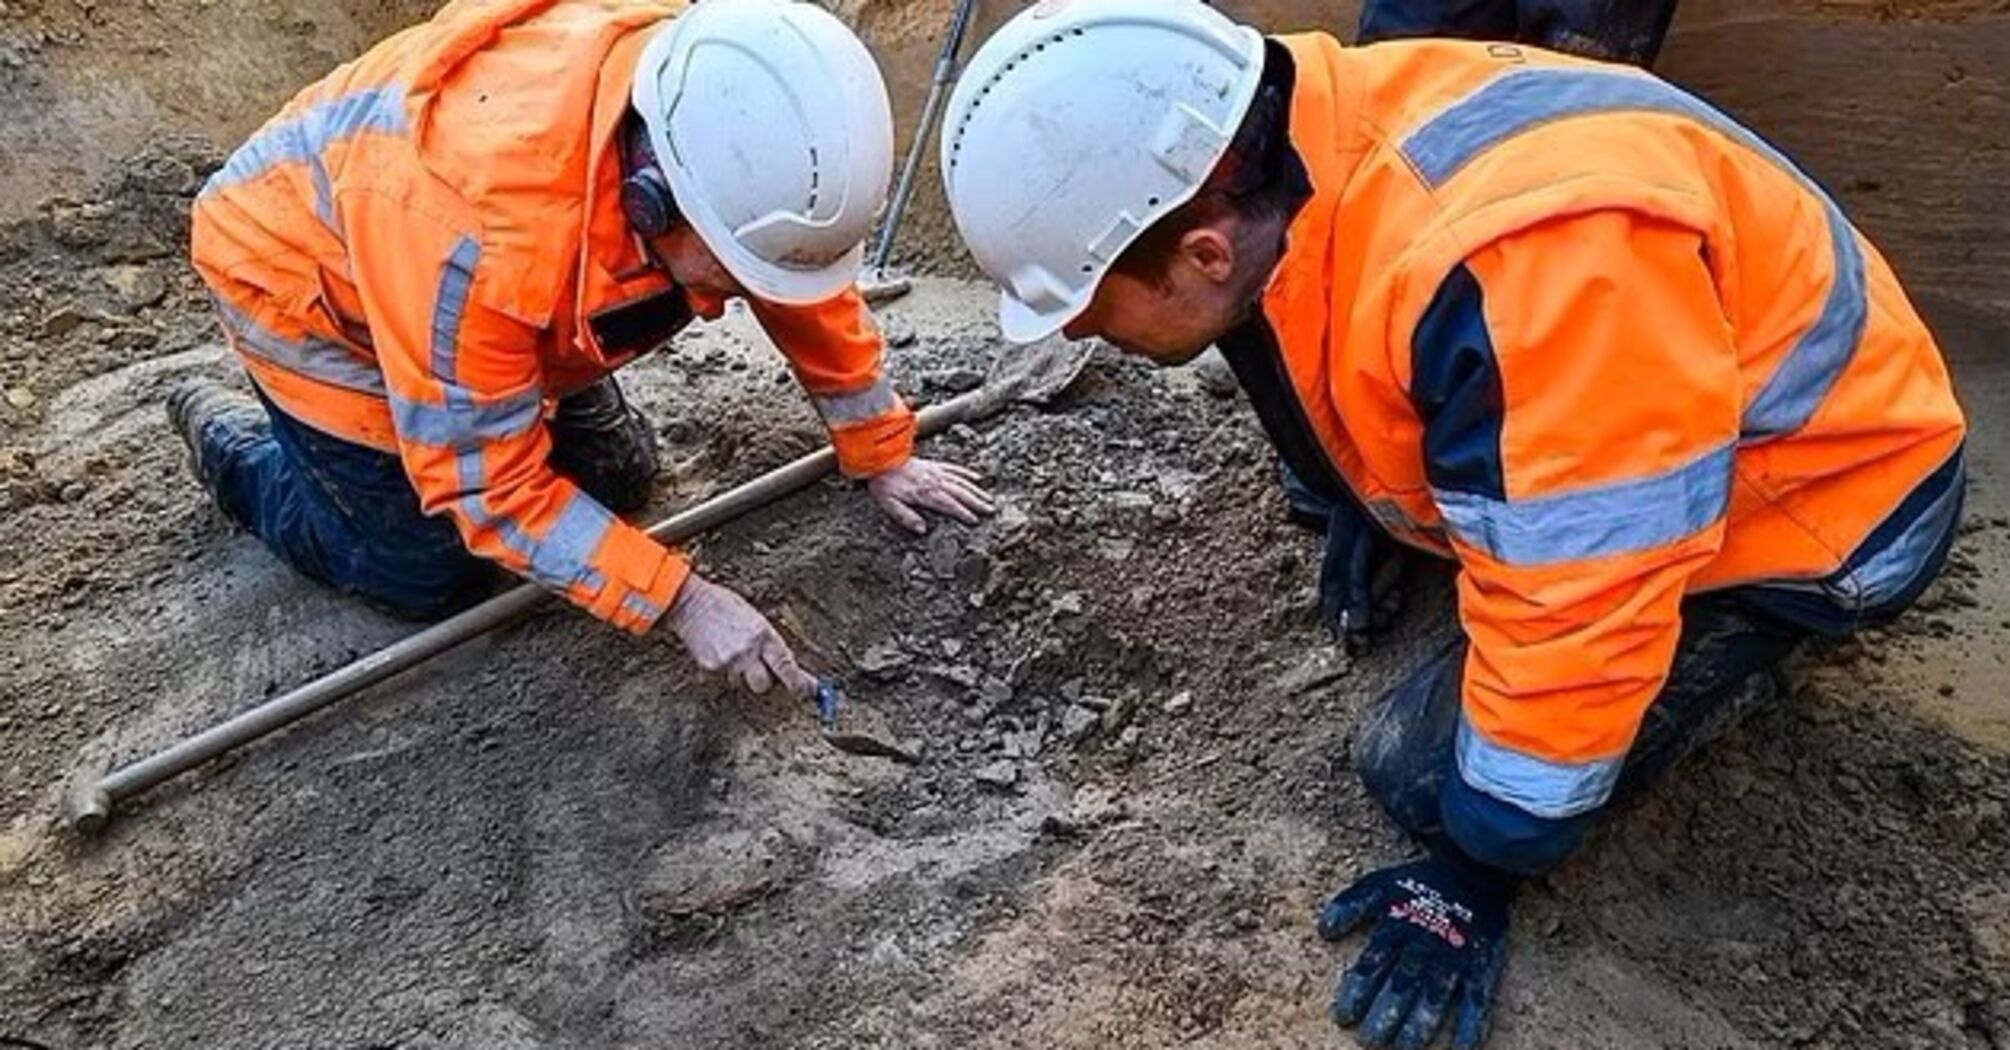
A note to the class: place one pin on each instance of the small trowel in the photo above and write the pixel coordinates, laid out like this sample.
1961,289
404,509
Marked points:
856,730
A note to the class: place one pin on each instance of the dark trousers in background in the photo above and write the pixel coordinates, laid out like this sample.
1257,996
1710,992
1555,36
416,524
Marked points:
1617,30
347,516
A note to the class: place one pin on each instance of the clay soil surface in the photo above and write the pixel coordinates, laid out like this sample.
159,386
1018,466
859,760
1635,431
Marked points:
1137,785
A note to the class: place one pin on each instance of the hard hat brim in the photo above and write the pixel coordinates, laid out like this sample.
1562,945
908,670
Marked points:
1021,323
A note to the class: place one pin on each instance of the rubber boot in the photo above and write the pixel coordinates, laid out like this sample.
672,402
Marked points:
605,446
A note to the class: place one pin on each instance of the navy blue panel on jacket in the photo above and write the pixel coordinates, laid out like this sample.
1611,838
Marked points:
1456,386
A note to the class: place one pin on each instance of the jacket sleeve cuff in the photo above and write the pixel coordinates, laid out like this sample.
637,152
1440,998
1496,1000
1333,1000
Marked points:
876,446
642,579
1505,836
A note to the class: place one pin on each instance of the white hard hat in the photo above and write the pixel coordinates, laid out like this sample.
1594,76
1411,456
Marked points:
771,124
1078,125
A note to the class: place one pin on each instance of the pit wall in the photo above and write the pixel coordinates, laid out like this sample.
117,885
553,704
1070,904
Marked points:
1902,107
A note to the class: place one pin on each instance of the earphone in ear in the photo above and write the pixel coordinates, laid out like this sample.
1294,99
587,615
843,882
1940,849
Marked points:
646,199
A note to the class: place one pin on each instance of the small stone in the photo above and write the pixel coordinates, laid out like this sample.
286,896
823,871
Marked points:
1181,702
1077,722
961,675
20,397
62,320
952,647
75,491
1215,377
1245,920
1116,716
955,380
1002,774
126,339
1319,668
1069,604
898,332
135,286
882,658
994,693
1026,743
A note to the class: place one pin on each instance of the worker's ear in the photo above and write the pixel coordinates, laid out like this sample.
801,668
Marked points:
1210,252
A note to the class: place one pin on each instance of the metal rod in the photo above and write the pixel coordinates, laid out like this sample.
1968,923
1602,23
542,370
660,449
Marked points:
931,111
91,802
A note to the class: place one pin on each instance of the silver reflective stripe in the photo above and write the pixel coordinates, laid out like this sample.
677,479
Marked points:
560,560
450,304
858,407
304,138
1391,516
320,359
1551,790
642,608
563,557
1519,101
1804,377
463,420
1885,575
1634,515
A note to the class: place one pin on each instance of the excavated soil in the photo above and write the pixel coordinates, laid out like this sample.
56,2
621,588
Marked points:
1136,784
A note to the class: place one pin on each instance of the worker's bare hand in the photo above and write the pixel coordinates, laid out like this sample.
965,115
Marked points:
948,489
725,635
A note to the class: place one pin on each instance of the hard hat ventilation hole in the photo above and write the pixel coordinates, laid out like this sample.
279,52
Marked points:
984,90
816,178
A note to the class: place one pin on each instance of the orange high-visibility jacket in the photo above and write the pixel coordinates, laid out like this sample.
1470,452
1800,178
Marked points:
424,250
1577,329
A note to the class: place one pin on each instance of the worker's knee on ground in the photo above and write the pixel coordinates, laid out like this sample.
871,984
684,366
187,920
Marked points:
1404,746
415,591
605,446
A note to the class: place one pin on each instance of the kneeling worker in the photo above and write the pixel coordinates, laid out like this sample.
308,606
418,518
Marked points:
432,261
1559,321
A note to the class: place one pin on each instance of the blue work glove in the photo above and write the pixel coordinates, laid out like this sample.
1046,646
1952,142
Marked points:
1360,591
1439,942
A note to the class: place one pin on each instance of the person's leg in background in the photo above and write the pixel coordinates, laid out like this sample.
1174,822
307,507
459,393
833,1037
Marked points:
1615,30
1465,19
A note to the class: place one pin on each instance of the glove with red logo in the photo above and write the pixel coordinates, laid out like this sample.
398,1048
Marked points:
1439,942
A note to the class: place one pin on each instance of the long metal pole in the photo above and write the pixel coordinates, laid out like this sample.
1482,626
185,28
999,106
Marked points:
931,111
89,804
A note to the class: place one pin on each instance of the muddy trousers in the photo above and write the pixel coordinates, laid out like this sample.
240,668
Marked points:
1731,642
1616,30
1722,671
347,516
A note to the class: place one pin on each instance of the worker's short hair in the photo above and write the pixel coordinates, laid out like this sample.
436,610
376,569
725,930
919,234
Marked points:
1259,178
